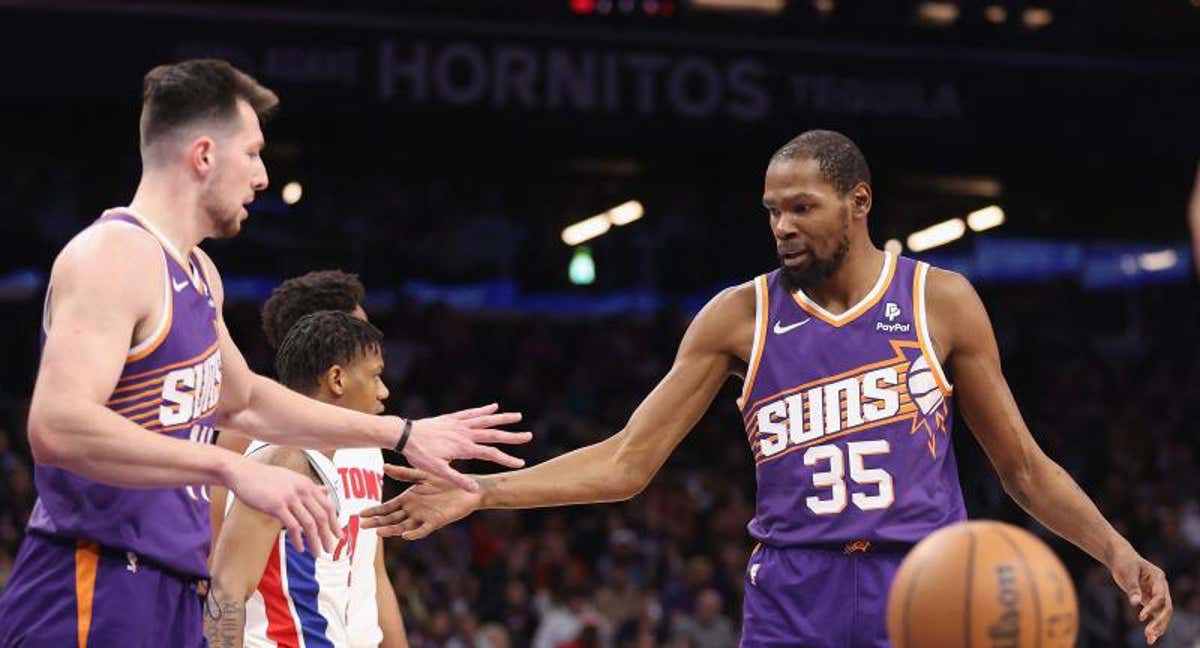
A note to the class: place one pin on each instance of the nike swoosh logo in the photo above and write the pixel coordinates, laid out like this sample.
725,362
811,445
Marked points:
179,285
780,330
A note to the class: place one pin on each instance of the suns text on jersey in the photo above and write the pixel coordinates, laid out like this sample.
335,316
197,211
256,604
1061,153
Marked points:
191,392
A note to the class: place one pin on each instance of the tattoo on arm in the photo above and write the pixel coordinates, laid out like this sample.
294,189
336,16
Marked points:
224,622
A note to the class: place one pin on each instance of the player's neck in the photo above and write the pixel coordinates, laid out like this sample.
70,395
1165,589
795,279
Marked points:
172,209
851,282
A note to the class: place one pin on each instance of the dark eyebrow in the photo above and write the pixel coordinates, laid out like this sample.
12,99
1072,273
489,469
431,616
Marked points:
793,196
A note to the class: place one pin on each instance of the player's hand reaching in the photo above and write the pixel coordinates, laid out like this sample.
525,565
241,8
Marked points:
435,442
428,505
1145,585
301,505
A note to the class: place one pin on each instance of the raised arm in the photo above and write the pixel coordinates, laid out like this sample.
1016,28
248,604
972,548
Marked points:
716,344
963,334
260,408
240,556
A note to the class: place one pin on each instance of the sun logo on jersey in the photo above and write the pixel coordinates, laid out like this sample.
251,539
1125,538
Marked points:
934,410
891,390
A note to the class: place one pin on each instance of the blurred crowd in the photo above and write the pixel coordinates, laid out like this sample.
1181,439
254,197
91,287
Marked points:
1105,381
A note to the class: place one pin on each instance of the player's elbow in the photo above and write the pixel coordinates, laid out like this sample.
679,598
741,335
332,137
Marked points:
47,441
629,473
1019,478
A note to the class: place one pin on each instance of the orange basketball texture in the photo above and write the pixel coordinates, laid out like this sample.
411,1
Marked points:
982,584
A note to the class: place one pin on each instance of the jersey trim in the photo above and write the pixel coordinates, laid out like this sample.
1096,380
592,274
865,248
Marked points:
921,321
762,303
144,348
839,320
87,560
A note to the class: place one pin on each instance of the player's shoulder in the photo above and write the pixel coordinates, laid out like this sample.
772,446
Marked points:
948,289
726,323
113,246
293,459
735,302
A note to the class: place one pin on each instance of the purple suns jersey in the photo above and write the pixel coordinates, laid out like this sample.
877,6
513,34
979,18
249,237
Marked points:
848,416
170,385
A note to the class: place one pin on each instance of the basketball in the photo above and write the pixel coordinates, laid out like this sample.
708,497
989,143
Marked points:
982,583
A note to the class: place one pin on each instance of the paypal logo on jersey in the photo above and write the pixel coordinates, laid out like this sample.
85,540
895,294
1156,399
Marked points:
891,311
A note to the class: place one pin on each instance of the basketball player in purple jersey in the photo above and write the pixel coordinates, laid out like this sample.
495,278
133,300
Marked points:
138,369
847,411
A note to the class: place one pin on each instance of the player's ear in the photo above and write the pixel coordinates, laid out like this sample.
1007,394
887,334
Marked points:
860,199
202,155
335,380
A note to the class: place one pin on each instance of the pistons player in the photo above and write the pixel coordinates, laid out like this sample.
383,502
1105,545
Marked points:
847,354
375,618
264,591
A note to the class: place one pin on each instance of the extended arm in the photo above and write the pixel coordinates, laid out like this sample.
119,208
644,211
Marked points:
260,408
960,326
716,343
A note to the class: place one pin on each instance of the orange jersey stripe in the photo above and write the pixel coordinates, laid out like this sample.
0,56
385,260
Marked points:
862,428
923,332
131,397
203,354
762,300
890,261
162,337
897,360
87,559
181,425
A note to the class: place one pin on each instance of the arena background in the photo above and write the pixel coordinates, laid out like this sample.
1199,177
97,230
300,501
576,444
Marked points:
443,146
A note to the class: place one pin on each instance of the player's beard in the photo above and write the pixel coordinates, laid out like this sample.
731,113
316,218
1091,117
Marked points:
225,219
819,269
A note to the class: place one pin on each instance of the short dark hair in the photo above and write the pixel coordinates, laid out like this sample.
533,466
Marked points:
180,94
317,342
838,157
299,296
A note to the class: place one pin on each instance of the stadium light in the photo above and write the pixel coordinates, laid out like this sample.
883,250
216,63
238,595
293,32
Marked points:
940,14
935,235
1037,17
986,218
764,6
894,246
1155,261
995,14
292,192
590,228
625,213
586,230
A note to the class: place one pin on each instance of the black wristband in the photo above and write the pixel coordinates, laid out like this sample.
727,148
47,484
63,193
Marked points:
404,437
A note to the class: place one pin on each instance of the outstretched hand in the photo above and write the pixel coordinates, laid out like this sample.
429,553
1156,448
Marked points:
1145,586
428,505
301,505
435,442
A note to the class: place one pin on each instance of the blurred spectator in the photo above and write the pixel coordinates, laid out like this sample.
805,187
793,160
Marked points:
1107,383
708,627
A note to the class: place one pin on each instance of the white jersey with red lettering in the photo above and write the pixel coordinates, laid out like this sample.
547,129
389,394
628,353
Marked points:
360,471
303,599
